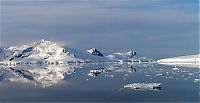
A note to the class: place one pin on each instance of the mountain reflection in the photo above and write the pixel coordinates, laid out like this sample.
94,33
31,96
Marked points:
42,76
49,75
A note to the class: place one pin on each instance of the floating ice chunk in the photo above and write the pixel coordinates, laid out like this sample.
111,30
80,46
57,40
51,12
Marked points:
143,86
197,80
111,76
95,72
126,75
175,69
159,75
191,74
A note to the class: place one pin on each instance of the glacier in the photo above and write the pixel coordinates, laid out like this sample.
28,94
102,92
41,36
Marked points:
185,61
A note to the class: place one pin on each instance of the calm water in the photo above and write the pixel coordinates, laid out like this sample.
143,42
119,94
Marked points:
77,83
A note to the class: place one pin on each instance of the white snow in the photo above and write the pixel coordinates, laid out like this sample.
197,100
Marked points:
91,50
94,73
143,86
41,51
197,80
86,56
185,61
129,56
175,69
181,59
47,52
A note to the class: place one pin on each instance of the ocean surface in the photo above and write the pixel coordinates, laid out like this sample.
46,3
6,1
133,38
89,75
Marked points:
154,28
99,83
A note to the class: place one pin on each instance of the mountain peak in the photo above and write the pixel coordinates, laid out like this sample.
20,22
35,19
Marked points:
41,50
94,51
47,51
131,53
42,40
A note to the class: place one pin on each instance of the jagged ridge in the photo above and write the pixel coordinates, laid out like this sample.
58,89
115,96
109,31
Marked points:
50,52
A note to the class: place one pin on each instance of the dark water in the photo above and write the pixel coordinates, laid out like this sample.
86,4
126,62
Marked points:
73,84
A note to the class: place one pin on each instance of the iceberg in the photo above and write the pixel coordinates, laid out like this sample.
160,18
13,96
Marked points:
143,86
95,72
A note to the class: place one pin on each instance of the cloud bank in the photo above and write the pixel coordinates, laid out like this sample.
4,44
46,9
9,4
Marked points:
147,26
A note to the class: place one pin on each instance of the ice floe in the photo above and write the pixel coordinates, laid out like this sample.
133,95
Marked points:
143,86
196,80
95,72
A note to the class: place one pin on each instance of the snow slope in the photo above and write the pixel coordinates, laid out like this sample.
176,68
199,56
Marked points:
38,52
129,56
86,56
184,61
51,53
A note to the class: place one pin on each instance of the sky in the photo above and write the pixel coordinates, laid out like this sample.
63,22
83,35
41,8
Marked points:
151,27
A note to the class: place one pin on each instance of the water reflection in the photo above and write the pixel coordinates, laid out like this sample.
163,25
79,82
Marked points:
41,76
127,69
50,75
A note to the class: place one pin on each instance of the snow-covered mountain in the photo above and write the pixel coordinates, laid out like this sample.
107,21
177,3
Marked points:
37,52
51,53
94,51
129,56
86,56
